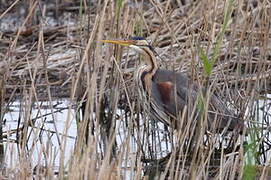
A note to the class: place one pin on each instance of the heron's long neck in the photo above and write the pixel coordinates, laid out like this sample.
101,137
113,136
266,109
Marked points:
148,69
150,61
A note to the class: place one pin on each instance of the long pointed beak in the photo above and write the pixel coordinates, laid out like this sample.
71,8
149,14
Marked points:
120,42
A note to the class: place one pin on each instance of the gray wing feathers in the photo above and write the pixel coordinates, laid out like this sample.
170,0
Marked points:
218,113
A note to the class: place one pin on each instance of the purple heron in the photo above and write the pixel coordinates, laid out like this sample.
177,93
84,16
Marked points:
170,92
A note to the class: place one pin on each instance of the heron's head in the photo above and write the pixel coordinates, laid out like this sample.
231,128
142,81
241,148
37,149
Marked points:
139,44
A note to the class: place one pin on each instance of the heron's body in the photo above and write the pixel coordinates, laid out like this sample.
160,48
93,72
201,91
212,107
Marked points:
172,92
169,92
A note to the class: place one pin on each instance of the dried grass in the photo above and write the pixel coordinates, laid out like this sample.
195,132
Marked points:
42,62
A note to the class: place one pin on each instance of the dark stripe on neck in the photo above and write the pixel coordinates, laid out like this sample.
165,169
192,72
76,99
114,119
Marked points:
144,73
149,71
150,58
142,77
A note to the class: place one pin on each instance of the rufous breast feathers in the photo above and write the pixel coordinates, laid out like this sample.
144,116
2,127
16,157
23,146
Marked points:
165,89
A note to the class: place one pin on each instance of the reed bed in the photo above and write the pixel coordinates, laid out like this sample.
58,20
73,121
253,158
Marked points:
50,51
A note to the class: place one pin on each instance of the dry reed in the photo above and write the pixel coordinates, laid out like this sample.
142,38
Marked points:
115,138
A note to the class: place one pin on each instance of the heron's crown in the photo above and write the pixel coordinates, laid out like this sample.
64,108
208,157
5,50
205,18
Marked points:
136,38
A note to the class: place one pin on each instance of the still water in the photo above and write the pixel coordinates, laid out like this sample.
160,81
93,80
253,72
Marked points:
43,144
51,130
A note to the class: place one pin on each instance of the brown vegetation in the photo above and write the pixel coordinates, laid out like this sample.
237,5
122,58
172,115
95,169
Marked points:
52,51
